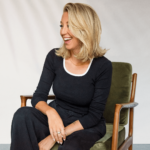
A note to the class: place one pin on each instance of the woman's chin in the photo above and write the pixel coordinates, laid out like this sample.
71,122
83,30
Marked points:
68,47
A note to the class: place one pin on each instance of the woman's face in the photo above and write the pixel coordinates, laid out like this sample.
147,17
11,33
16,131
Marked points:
73,43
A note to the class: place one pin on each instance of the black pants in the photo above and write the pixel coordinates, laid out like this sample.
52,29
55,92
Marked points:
30,126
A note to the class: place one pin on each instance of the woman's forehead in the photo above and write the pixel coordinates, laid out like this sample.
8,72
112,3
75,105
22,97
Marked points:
64,18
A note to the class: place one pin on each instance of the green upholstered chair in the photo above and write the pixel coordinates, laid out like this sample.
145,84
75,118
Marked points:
119,102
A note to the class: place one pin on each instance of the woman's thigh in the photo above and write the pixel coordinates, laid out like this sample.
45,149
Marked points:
28,122
30,113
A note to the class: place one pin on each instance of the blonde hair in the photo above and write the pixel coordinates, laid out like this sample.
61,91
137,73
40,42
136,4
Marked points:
85,25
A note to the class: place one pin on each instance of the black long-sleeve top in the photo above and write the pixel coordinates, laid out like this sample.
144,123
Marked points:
85,93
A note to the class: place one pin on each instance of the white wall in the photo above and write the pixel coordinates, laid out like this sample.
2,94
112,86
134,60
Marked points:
30,28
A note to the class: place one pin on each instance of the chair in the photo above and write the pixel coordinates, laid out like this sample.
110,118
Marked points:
119,102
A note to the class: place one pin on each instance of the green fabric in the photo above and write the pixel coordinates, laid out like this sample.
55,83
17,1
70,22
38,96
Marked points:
119,91
105,142
109,131
55,147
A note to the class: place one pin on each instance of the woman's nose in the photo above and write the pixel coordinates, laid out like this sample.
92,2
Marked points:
64,30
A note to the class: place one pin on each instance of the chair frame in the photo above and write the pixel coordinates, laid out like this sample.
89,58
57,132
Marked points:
128,142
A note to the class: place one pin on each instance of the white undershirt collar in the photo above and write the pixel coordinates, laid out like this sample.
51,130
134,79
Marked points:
77,74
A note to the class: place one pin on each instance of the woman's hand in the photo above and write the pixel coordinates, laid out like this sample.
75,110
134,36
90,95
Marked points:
47,143
56,125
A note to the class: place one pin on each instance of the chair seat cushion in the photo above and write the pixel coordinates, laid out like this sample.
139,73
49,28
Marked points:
105,142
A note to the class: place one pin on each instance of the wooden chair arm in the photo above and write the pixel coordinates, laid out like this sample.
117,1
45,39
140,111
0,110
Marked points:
24,98
116,122
128,105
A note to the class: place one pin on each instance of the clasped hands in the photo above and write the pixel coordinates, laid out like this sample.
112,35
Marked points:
55,125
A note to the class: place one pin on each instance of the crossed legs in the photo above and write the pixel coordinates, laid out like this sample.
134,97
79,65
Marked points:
30,126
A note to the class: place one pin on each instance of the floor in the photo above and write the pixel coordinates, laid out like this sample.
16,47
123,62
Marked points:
135,147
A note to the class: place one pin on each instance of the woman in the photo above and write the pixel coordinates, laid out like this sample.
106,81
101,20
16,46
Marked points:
81,78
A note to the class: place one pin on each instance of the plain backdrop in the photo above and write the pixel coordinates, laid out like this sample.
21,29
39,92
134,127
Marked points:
29,29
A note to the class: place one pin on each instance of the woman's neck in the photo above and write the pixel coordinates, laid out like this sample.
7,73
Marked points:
76,61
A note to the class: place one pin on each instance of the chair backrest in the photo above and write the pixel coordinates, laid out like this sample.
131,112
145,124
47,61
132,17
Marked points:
119,92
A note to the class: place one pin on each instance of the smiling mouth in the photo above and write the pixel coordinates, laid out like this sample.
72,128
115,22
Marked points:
67,41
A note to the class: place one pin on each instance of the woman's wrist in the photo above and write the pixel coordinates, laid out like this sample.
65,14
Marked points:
66,131
75,126
49,111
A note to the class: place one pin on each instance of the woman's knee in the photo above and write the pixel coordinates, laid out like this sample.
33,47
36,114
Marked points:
23,113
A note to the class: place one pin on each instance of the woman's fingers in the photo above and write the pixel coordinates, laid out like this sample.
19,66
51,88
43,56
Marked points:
55,126
59,137
56,136
63,134
51,133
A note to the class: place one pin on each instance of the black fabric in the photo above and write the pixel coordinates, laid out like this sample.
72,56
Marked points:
30,126
86,94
